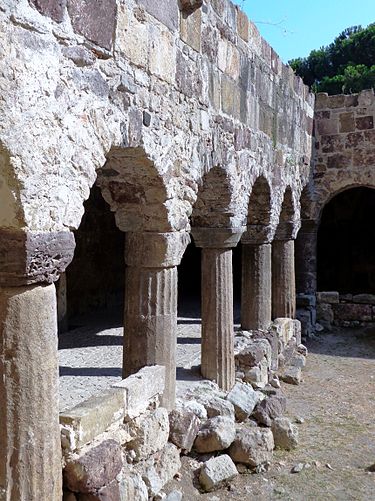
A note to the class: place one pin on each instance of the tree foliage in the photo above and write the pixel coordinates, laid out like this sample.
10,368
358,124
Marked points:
346,65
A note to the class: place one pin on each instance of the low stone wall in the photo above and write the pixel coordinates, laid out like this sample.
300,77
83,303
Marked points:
344,310
122,445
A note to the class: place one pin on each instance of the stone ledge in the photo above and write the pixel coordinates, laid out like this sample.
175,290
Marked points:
124,401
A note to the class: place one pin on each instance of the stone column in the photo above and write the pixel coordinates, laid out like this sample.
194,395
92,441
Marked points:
150,323
30,447
30,444
283,279
256,286
217,349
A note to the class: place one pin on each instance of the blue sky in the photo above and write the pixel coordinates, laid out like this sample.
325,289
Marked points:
306,25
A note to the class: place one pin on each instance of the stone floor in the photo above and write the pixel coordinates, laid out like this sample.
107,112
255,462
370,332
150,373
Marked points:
337,402
90,356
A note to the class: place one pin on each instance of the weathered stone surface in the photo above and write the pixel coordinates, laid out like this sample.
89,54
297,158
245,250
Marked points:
79,55
160,468
168,15
29,378
174,496
253,354
95,469
252,446
87,420
269,409
328,297
217,406
285,434
292,375
216,434
298,360
52,8
133,487
110,492
364,298
192,406
216,471
183,429
28,257
95,22
189,6
360,312
141,389
150,433
244,399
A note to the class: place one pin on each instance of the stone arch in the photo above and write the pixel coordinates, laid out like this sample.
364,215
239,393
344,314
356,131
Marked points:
288,226
136,192
259,216
219,201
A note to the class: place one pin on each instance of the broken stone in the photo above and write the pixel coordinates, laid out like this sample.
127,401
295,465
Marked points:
275,382
215,435
292,375
150,433
297,468
160,468
244,399
253,353
252,446
133,487
301,348
331,297
95,469
183,429
217,406
269,409
217,471
174,496
193,406
285,434
79,55
298,361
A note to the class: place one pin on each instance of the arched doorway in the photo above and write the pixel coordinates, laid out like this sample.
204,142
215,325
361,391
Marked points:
346,240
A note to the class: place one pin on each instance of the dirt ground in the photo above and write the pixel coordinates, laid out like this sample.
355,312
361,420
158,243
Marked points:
337,438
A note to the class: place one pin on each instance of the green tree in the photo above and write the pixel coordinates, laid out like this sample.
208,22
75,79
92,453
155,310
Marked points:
346,65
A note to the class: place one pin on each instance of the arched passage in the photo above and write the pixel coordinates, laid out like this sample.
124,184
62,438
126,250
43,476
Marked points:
346,242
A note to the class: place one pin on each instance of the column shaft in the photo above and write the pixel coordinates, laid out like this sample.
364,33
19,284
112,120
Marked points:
217,356
30,447
256,286
283,279
150,325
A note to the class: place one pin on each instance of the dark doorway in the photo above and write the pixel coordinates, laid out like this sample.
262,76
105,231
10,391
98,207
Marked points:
189,283
346,243
96,277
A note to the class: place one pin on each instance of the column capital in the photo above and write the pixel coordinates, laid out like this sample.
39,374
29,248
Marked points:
257,234
28,257
155,250
217,238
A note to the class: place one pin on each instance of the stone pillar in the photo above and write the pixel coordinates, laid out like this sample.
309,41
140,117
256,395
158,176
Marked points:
30,444
30,447
306,262
256,286
217,349
62,303
283,279
150,323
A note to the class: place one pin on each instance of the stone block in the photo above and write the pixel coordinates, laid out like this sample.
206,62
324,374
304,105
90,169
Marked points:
361,312
95,469
51,8
285,434
363,123
162,55
132,38
270,408
339,161
216,434
244,399
252,446
110,492
96,21
174,496
141,389
325,126
253,353
331,297
160,468
217,471
292,375
306,300
84,422
132,487
364,298
347,122
150,433
324,315
183,429
217,406
191,28
242,25
284,328
168,13
298,360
